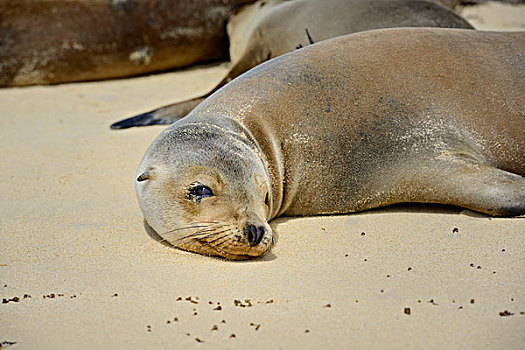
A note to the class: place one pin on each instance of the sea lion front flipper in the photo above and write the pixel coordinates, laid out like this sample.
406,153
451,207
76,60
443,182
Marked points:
473,185
163,115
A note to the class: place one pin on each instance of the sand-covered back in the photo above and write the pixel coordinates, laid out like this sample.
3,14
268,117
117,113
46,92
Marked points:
78,271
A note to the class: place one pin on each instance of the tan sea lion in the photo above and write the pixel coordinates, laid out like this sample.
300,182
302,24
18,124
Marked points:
270,28
58,41
353,123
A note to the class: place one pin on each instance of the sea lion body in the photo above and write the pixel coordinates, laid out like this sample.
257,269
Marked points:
353,123
261,32
58,41
270,28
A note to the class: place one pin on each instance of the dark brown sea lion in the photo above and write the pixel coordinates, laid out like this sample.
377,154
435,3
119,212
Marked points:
58,41
271,28
352,123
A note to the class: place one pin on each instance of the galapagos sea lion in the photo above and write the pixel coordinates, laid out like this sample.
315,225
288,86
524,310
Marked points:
59,41
357,122
270,28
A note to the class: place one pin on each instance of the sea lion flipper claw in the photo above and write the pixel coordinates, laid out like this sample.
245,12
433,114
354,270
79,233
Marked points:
161,116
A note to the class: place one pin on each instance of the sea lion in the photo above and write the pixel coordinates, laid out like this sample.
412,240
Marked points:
353,123
270,28
59,41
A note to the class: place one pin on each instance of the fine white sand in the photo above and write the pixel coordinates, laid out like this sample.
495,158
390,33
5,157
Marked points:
495,15
72,239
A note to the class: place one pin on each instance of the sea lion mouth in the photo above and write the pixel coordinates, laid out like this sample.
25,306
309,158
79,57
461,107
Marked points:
240,257
213,238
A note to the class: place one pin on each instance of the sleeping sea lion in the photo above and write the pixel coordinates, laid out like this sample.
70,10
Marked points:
357,122
59,41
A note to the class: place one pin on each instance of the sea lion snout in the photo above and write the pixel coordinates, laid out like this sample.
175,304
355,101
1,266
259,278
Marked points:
254,234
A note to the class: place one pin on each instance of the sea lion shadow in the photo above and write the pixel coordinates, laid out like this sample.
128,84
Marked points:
423,208
407,208
153,234
428,208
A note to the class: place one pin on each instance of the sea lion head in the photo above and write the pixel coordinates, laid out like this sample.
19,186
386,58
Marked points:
204,188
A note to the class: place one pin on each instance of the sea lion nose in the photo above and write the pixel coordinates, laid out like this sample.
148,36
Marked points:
254,234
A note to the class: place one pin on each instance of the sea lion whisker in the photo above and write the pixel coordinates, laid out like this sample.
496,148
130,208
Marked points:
210,242
198,233
184,228
214,227
195,225
215,248
189,237
213,233
224,238
204,222
207,230
174,238
204,234
202,238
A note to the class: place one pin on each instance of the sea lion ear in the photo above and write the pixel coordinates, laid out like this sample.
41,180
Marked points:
146,175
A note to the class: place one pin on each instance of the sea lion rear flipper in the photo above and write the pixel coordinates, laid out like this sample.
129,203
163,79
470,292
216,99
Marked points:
171,113
163,115
476,186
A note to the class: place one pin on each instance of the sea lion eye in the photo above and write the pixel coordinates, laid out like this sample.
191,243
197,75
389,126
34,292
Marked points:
202,191
266,201
198,191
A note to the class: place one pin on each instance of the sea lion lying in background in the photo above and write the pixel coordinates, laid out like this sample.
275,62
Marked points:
271,28
59,41
353,123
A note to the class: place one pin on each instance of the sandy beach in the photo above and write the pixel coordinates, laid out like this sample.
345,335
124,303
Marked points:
78,271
